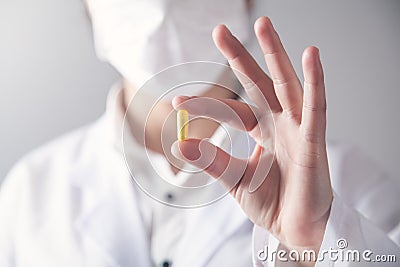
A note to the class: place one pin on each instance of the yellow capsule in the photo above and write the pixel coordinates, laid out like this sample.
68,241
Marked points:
182,122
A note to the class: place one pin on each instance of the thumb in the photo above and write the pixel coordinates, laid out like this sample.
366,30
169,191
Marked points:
199,153
212,159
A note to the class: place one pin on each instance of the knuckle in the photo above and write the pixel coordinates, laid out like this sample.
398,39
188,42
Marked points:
235,57
320,108
254,87
313,137
272,53
292,113
284,82
310,158
315,80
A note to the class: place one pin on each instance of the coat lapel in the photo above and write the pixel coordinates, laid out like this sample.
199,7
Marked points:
207,229
110,218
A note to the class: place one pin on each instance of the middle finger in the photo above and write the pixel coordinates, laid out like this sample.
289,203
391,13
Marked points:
286,84
256,83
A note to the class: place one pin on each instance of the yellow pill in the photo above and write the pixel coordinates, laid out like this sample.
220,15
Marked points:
182,122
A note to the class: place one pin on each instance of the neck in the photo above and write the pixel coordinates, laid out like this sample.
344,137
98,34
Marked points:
160,125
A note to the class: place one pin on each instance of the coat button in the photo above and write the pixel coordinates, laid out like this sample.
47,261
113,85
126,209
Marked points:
166,263
169,196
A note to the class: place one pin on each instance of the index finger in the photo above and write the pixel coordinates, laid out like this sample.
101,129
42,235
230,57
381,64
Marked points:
240,59
237,114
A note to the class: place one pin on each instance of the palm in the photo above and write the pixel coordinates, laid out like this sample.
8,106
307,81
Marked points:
289,193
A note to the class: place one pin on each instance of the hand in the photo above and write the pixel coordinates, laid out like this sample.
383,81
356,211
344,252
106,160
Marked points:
293,202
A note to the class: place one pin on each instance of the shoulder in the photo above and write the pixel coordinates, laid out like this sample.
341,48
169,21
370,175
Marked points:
48,169
66,149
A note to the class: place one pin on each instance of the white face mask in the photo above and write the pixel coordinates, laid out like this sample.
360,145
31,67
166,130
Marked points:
142,37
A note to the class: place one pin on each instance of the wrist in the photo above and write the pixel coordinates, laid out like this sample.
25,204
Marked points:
307,254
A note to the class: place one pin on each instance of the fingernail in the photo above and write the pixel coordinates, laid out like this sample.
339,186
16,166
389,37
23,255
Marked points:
175,151
318,55
181,98
184,97
228,30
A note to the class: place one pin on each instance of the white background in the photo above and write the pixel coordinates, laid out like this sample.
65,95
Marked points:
51,81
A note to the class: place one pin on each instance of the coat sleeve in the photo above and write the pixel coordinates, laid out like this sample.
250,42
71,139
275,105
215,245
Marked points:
356,241
364,218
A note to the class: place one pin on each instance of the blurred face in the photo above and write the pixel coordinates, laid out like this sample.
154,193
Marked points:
139,38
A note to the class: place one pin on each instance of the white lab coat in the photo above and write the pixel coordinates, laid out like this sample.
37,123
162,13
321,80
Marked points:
72,203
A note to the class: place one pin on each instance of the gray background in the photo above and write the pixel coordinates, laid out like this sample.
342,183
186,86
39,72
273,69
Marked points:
51,81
